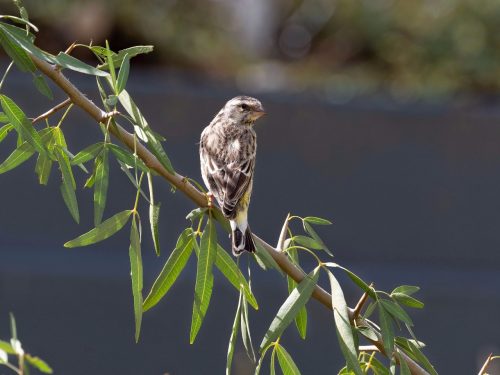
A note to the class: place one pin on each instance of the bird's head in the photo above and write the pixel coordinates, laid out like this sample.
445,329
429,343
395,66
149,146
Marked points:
243,110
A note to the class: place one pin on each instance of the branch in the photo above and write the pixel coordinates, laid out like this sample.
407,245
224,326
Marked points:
53,110
182,184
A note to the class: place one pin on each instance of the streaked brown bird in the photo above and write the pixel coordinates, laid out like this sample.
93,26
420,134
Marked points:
227,157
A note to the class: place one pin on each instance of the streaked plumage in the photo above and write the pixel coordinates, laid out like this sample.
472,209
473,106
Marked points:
227,156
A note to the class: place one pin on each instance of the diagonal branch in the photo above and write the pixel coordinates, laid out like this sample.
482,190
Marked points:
182,184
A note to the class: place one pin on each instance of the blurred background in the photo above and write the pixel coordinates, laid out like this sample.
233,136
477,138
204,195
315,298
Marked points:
383,117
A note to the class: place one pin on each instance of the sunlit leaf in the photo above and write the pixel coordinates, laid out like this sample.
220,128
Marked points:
43,168
72,63
407,300
121,81
172,269
287,312
7,347
5,130
342,325
136,275
38,363
406,289
101,182
286,362
234,336
120,56
386,328
68,185
246,335
301,318
104,230
357,280
225,263
204,277
396,311
16,53
87,153
18,37
17,157
310,230
317,220
21,123
128,158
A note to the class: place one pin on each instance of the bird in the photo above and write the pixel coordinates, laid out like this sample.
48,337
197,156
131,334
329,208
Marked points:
228,147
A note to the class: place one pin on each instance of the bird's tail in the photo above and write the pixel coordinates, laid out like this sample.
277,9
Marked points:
242,241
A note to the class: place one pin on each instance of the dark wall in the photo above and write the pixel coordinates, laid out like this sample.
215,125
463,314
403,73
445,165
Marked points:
412,191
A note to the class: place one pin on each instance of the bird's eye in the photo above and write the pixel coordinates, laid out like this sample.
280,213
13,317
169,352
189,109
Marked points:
244,106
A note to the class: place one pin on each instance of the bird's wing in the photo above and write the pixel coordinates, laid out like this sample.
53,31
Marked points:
237,178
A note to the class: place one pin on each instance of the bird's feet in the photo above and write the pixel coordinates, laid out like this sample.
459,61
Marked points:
210,200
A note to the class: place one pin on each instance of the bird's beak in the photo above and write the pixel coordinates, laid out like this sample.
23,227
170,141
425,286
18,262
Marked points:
258,114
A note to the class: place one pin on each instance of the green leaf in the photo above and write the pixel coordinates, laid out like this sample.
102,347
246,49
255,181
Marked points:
128,158
301,318
261,359
357,280
386,328
136,275
120,56
403,367
21,123
343,326
421,358
42,86
286,362
287,312
23,21
87,153
109,59
272,365
68,185
204,277
121,81
245,331
316,220
6,347
151,140
406,289
225,263
16,53
101,181
407,300
38,363
196,213
172,269
396,311
5,130
154,216
69,62
309,229
104,230
307,242
377,367
234,336
17,157
43,168
266,258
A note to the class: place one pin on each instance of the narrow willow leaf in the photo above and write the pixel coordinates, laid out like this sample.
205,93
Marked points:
16,53
396,311
307,242
287,312
310,230
246,335
343,327
386,328
204,277
18,37
301,318
104,230
136,275
154,216
407,300
225,263
43,168
5,130
261,359
234,336
266,258
403,367
7,347
368,332
68,185
121,81
196,213
272,365
421,358
286,362
21,123
357,280
101,182
42,87
172,269
18,156
377,367
317,220
66,61
39,364
120,56
406,289
151,140
87,153
128,158
125,170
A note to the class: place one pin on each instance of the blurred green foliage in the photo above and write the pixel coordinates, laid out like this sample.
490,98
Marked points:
407,48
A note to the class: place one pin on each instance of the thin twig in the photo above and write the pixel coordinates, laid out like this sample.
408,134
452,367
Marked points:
51,111
485,365
181,183
360,304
